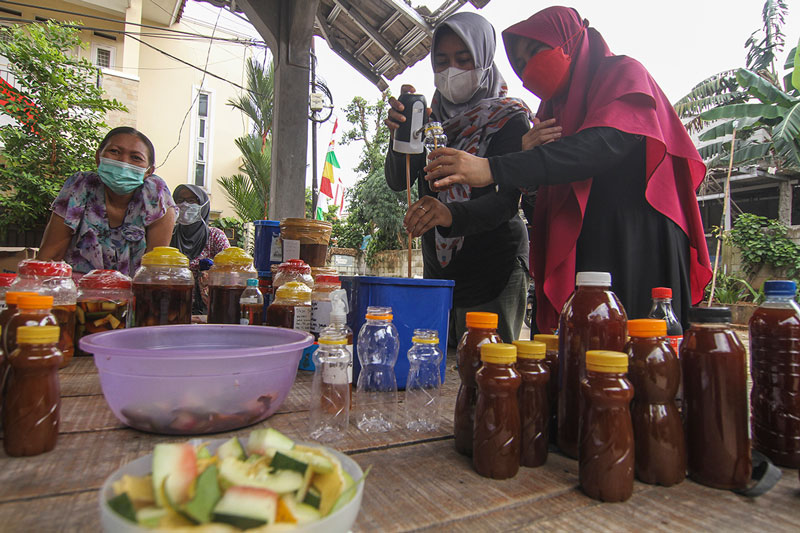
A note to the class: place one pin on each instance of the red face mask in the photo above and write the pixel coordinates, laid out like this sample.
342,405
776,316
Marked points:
547,73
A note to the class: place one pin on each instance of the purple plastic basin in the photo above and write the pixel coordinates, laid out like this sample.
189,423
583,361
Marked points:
196,378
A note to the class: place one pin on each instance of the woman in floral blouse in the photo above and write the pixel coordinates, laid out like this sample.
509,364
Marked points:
108,218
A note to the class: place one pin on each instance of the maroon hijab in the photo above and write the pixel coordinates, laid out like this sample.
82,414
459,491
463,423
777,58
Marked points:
612,91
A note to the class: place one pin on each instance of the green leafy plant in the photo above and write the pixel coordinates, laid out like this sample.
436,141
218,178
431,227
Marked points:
731,289
58,110
761,240
248,191
231,223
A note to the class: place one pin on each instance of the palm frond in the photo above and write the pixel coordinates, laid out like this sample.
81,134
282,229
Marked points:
244,200
763,89
739,111
712,91
726,128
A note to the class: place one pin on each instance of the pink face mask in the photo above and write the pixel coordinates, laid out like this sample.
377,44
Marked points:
547,73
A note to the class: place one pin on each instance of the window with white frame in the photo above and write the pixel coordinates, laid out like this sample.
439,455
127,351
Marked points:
202,138
103,56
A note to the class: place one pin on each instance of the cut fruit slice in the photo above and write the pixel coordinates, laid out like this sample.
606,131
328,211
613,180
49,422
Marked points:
174,468
329,485
319,462
139,489
123,506
239,473
247,507
283,461
150,516
231,448
300,513
261,440
206,496
313,498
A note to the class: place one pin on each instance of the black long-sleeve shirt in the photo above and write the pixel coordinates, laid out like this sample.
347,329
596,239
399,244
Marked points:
621,232
495,237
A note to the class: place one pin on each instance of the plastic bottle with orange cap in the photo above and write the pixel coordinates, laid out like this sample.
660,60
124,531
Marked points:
376,393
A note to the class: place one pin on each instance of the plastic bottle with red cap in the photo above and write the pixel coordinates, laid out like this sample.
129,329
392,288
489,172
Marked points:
662,310
104,303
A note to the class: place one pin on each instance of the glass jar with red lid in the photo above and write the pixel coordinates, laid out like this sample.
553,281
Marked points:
293,270
5,283
104,303
52,278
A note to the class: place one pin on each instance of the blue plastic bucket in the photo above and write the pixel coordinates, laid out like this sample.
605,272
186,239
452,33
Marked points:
415,303
267,244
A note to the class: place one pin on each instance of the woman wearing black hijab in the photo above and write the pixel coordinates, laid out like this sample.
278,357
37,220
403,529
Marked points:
193,236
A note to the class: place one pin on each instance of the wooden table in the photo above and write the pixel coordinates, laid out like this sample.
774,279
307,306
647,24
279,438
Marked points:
418,481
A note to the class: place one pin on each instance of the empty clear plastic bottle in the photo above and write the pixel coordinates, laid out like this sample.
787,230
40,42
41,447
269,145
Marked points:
330,388
423,386
376,393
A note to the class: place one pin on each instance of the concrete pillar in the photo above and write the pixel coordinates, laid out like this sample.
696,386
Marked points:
130,50
287,27
785,202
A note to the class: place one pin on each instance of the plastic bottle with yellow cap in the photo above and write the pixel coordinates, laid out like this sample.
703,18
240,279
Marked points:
481,328
291,308
423,386
551,355
655,372
32,310
330,388
378,344
496,438
12,298
534,408
605,433
162,288
32,399
227,279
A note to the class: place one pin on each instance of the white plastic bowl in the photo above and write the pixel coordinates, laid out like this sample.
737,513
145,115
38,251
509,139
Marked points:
340,521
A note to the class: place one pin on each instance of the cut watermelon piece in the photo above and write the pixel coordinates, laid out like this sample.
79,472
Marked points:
247,507
174,469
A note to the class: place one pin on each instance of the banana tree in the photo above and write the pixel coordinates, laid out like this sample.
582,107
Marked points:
767,124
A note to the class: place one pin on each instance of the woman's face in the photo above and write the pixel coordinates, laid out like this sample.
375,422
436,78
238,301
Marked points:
185,194
451,51
128,149
522,50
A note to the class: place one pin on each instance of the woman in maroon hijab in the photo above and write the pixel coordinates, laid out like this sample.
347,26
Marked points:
617,192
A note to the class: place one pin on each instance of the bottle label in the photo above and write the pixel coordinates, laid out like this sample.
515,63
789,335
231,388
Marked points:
275,253
320,315
675,341
302,318
335,374
291,249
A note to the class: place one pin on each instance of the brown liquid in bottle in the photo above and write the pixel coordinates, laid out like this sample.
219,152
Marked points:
496,438
32,398
715,401
223,304
160,305
314,254
606,451
654,370
775,369
252,314
65,316
534,411
592,319
469,361
26,317
551,356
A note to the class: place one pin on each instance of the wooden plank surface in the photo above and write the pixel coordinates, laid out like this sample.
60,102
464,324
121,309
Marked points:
418,482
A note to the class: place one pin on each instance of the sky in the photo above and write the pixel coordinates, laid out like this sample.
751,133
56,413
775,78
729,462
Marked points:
680,42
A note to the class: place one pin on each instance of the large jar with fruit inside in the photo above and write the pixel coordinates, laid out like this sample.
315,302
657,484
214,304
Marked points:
162,289
227,279
104,303
52,278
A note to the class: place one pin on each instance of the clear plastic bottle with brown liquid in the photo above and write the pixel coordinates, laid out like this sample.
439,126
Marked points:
12,299
32,310
715,400
496,439
775,369
592,319
551,356
534,409
32,397
481,328
655,372
606,449
329,414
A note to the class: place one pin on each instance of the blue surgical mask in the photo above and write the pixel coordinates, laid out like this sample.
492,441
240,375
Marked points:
120,177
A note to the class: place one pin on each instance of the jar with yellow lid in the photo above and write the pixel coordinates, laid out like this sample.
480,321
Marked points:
292,307
227,279
162,289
